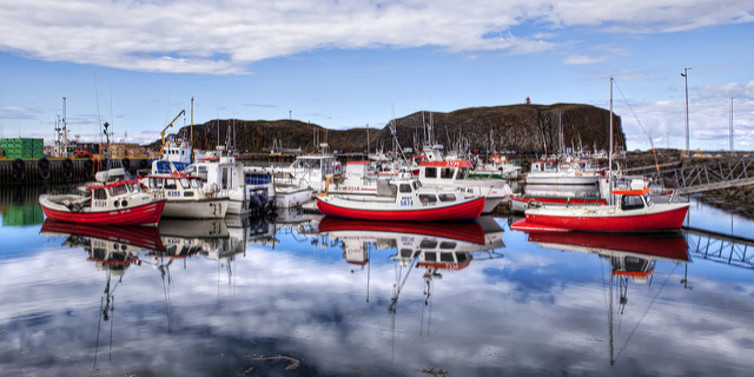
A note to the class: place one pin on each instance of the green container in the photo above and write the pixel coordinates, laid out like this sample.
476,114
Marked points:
30,214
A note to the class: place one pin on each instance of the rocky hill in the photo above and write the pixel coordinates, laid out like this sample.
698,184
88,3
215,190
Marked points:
515,127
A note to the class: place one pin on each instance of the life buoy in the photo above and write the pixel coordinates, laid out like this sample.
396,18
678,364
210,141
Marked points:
19,170
67,169
44,169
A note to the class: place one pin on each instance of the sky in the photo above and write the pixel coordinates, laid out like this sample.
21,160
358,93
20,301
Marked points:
344,64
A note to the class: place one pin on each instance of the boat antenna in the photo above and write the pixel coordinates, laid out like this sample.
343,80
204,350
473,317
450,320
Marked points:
647,134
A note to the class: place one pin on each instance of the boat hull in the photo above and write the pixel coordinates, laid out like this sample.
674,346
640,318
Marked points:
597,221
559,180
520,203
466,210
196,209
145,214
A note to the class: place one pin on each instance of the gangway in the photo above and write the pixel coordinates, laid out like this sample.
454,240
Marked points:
700,176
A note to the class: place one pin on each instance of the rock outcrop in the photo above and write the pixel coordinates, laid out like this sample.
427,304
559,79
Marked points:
515,128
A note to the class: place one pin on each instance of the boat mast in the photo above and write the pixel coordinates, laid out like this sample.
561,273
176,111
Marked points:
191,137
610,151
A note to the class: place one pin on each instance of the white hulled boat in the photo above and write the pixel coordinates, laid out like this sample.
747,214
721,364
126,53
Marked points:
186,196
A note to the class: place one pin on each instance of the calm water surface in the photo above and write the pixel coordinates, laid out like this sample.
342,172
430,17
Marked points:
302,295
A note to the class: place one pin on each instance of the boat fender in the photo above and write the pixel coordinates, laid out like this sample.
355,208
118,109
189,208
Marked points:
19,170
67,168
44,169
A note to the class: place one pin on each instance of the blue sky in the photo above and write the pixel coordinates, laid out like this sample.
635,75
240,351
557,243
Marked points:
136,64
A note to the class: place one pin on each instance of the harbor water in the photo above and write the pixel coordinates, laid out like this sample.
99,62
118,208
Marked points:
299,295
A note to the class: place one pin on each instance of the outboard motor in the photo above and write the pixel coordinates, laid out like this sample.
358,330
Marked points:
255,202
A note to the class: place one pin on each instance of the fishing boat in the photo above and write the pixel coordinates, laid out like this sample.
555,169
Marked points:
521,202
105,202
633,211
229,178
560,173
403,199
186,196
455,173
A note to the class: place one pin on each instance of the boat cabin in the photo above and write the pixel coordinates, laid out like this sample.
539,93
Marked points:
443,172
114,195
173,186
633,199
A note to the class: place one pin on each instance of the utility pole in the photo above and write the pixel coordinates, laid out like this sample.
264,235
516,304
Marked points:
686,83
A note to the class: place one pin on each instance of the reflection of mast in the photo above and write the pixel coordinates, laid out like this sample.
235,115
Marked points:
107,308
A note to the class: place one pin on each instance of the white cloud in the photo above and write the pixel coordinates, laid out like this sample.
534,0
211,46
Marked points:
224,37
709,110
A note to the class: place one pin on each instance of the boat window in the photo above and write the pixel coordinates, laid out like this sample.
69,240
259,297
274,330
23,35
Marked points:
427,198
224,179
405,187
648,199
430,257
100,194
430,172
447,173
196,183
184,183
170,184
446,257
463,173
416,185
428,244
406,253
188,193
629,202
634,264
447,197
463,257
155,182
118,190
447,245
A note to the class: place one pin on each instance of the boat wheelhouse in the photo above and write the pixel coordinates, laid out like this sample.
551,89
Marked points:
455,173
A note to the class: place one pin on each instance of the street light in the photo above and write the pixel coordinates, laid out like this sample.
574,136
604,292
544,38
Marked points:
686,81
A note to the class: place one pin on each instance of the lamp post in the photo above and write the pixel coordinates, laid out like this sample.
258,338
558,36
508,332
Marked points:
686,82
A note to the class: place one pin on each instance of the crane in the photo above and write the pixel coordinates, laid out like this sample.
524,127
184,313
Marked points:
162,134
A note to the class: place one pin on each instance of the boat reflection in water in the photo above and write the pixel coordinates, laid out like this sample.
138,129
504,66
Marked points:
445,246
631,257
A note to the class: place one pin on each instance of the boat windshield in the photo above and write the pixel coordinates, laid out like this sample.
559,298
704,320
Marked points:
117,190
463,173
196,183
648,199
185,183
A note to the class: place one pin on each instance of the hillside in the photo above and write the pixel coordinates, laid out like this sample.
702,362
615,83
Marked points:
515,127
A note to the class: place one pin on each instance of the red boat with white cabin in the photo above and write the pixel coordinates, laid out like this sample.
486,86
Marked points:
633,211
403,199
106,202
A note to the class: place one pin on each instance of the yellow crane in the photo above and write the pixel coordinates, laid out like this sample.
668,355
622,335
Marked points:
162,134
